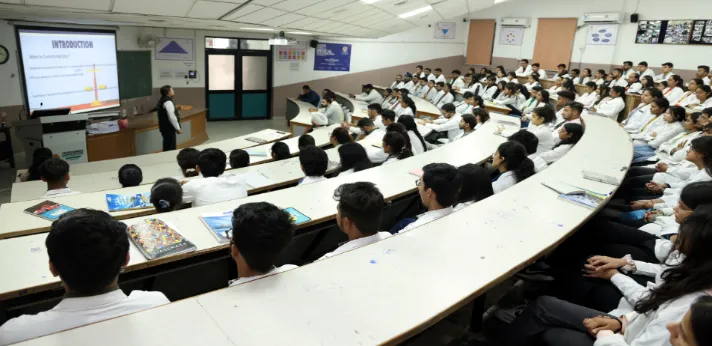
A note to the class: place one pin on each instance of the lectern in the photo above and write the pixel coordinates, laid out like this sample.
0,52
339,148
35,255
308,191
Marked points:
65,135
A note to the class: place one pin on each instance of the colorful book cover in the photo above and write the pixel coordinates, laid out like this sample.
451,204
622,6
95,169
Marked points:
128,202
48,210
156,239
297,216
219,224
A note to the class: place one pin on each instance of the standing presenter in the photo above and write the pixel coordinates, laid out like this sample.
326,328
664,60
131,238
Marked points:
168,118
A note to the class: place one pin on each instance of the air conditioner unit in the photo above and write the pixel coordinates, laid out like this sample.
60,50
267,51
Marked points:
603,17
520,22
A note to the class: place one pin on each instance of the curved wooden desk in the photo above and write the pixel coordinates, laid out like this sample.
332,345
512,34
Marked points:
380,289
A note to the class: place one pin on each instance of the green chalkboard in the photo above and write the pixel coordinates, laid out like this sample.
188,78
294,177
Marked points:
135,79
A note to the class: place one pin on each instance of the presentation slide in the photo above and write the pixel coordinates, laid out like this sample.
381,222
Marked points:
69,69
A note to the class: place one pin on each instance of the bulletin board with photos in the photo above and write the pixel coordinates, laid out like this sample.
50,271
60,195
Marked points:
682,32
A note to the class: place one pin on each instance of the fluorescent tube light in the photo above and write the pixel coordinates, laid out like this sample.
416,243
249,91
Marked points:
416,12
299,33
257,29
368,2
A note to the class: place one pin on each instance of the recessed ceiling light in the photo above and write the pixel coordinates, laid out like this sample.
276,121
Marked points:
499,1
416,12
299,33
257,29
369,1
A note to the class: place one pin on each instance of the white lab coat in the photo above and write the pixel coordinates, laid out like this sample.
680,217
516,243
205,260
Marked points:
464,108
212,190
545,136
530,105
663,76
452,126
448,98
626,74
488,94
539,163
505,181
372,97
415,143
503,100
611,107
408,85
389,102
585,80
458,82
440,78
522,72
476,89
513,80
397,85
635,88
422,91
357,243
405,111
647,72
663,134
542,74
673,94
587,99
333,114
553,155
427,217
530,86
686,99
637,118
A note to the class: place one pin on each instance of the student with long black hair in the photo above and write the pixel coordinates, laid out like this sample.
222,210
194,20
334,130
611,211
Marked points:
613,106
39,156
353,158
490,91
416,139
673,91
569,134
501,85
588,98
511,159
407,107
394,145
476,185
641,319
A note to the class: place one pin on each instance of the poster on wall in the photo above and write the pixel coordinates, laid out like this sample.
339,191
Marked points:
179,49
648,31
701,32
332,57
292,52
445,30
602,34
678,32
511,36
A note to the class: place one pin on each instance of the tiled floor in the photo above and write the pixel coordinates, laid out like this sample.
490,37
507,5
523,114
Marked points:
217,131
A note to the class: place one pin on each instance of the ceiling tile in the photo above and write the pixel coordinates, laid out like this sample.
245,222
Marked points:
210,9
317,25
171,8
243,11
319,10
371,12
283,20
302,22
265,2
349,11
260,16
451,8
479,4
102,5
293,5
331,27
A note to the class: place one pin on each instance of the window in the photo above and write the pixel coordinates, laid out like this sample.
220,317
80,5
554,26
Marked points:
220,43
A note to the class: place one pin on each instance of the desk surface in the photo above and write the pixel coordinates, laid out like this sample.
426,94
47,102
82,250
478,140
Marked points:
489,241
30,273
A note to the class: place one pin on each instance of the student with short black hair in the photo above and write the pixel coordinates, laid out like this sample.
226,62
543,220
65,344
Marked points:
536,68
239,158
388,117
130,175
55,172
451,125
340,136
87,250
309,96
438,75
438,187
369,129
703,72
645,71
562,99
447,96
524,69
187,160
542,120
667,73
280,151
467,125
561,72
490,89
353,159
457,81
511,160
368,94
39,156
531,144
214,187
358,215
389,99
467,105
314,163
166,195
261,232
476,185
305,140
333,114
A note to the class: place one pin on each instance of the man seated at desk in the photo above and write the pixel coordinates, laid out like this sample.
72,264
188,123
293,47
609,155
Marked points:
369,95
309,96
332,114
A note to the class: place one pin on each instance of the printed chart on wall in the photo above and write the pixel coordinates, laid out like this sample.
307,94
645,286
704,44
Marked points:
602,34
679,32
292,52
445,30
180,49
511,36
332,57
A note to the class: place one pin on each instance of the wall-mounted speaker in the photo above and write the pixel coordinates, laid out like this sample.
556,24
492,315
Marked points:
634,18
313,43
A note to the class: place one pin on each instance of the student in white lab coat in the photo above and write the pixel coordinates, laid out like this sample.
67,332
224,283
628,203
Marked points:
667,73
340,136
674,91
87,250
590,96
260,234
451,124
647,82
407,107
524,69
689,97
558,86
416,86
369,95
600,77
389,99
439,77
536,68
332,114
536,99
447,95
419,72
645,147
512,78
353,158
314,163
512,162
561,72
432,91
215,186
417,143
618,79
438,188
531,144
359,215
55,172
508,96
570,113
481,116
532,81
422,89
374,112
703,72
472,85
398,83
490,89
457,81
658,109
501,76
641,115
408,81
704,97
575,76
569,135
628,69
612,106
643,70
476,185
586,76
634,85
468,123
542,121
394,145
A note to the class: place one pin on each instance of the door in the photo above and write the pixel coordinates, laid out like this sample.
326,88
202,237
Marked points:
238,78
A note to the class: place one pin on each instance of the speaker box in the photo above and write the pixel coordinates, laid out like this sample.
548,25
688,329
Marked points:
313,43
634,18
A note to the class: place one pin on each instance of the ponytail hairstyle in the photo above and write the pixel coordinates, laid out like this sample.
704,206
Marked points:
409,101
396,141
481,114
602,73
516,158
523,90
698,81
576,132
619,90
476,183
545,97
479,101
400,128
588,72
500,86
679,82
569,85
678,113
410,125
605,89
166,195
703,145
694,273
354,156
535,77
649,83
